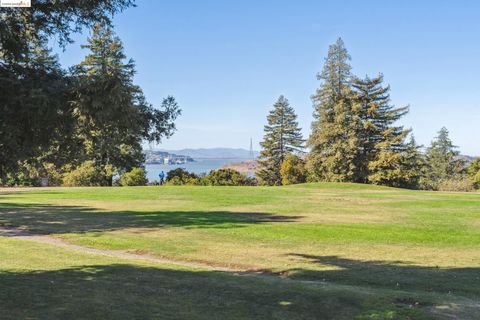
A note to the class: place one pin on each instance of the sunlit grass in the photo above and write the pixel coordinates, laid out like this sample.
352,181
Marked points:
353,235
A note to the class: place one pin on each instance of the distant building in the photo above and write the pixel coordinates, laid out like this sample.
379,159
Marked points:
162,157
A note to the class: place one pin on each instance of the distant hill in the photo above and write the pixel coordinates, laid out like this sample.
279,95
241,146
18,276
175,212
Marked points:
467,159
248,167
229,153
214,153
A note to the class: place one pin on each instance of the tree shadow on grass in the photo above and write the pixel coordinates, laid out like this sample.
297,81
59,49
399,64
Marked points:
50,219
394,275
122,291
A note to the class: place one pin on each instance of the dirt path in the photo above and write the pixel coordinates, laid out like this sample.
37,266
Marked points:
40,238
29,236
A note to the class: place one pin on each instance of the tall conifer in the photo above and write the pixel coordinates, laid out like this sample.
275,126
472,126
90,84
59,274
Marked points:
282,137
413,165
442,159
334,142
112,114
377,130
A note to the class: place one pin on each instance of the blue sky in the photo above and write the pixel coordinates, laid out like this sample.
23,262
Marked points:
226,62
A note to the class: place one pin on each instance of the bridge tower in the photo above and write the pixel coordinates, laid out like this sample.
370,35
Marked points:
252,155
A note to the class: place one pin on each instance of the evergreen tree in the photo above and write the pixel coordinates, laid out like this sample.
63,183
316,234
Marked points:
397,164
413,165
377,131
442,159
386,168
334,141
33,88
282,137
111,112
47,20
34,107
293,170
473,170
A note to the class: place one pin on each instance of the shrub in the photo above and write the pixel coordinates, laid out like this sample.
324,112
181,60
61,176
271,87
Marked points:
476,180
88,174
30,173
134,177
181,176
18,179
227,177
427,184
53,174
461,184
473,171
474,168
293,170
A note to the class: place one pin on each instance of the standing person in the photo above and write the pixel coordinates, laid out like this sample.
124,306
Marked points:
161,175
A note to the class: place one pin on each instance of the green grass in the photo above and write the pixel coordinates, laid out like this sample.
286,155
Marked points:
46,282
372,252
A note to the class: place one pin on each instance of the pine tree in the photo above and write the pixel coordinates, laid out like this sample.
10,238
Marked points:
106,103
377,118
386,168
334,141
473,168
413,165
282,137
112,115
442,159
473,172
397,164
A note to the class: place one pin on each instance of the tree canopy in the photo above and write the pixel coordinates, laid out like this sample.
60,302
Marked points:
54,119
112,116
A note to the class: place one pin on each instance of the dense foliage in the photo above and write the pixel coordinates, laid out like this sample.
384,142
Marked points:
355,137
33,88
220,177
227,177
473,171
89,173
181,176
55,121
442,159
461,183
293,170
134,177
111,115
333,141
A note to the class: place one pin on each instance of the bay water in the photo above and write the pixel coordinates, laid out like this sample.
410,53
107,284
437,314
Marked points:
199,166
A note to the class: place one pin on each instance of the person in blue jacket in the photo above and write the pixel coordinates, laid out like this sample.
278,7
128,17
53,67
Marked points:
161,176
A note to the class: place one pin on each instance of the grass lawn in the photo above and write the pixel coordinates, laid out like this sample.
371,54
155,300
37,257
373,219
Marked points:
364,252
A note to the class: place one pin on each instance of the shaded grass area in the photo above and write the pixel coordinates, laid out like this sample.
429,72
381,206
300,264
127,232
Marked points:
42,282
396,274
73,219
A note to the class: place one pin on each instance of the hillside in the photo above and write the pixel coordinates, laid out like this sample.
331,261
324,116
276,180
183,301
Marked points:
215,153
245,167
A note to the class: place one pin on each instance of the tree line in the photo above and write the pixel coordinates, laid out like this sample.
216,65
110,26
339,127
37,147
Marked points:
91,117
355,137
